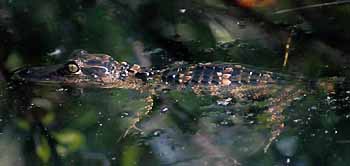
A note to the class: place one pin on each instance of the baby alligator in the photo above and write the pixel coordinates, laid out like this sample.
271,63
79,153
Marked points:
224,80
100,70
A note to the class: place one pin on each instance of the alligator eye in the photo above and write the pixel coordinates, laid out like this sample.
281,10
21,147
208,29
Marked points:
72,67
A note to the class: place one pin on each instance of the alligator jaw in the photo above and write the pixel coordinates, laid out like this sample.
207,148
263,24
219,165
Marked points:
41,74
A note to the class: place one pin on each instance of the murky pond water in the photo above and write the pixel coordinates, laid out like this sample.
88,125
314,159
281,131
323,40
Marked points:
67,126
302,119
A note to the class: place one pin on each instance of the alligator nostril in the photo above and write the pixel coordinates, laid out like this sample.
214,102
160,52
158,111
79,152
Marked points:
79,52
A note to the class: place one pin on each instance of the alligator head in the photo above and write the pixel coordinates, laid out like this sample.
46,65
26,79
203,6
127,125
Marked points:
82,69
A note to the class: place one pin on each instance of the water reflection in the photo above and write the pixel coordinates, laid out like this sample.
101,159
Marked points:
56,124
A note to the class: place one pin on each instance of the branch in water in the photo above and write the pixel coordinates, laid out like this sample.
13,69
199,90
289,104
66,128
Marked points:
312,6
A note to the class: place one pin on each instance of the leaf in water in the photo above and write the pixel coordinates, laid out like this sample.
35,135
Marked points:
61,150
71,141
22,124
130,156
186,31
219,32
42,103
85,120
48,118
14,61
43,150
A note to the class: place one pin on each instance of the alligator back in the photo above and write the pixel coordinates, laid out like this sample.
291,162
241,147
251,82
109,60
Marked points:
223,74
222,79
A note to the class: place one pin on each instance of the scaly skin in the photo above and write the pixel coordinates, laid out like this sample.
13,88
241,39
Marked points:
235,81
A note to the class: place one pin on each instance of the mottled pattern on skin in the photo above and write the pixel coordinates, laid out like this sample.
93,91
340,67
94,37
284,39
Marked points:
101,67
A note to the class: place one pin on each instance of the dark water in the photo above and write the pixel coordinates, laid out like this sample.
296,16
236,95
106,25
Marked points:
55,125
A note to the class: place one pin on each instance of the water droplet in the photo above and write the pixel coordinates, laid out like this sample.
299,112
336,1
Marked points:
114,158
326,131
226,123
208,50
229,112
182,10
100,124
157,133
61,89
224,102
241,24
164,110
288,160
56,52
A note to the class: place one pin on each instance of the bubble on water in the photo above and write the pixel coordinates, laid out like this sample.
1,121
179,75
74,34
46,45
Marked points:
124,114
287,146
297,120
227,123
229,112
114,158
326,131
297,99
224,122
